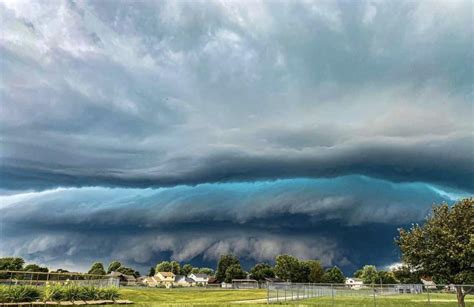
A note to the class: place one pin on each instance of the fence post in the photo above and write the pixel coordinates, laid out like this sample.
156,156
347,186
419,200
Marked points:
375,302
268,293
332,294
428,293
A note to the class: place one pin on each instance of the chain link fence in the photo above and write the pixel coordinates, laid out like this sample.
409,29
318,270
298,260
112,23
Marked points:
362,295
42,278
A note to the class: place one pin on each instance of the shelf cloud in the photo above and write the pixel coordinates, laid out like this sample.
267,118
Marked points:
353,117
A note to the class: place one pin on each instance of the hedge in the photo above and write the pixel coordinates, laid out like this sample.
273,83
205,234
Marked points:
56,292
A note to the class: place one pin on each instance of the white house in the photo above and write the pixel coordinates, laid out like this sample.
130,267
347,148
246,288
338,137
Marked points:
165,278
183,281
199,279
354,283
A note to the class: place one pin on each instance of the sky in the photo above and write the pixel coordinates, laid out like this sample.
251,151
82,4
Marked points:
154,130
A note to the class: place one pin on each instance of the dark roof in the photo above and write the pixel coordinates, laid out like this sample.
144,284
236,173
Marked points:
212,280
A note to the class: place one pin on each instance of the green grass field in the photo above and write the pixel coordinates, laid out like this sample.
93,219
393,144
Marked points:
217,297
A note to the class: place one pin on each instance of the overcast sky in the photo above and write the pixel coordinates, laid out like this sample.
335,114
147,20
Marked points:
143,131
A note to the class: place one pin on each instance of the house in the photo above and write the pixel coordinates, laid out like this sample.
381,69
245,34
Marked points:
165,278
213,282
124,280
183,281
150,281
244,283
354,283
428,283
199,279
271,280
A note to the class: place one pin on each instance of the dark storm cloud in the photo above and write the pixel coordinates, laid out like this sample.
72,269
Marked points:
306,217
158,94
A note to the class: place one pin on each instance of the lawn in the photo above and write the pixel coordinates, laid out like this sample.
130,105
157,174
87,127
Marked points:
217,297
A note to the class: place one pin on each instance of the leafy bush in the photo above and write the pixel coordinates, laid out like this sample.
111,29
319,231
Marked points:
56,293
16,294
108,293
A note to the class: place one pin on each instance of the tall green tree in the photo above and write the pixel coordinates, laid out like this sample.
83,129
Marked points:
11,263
164,266
223,264
334,276
234,272
113,266
287,268
128,271
175,267
443,246
406,275
261,271
152,271
186,269
97,269
316,271
369,274
207,271
386,278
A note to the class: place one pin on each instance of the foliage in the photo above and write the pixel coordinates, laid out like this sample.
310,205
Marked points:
164,266
333,275
175,268
113,266
207,271
261,271
18,294
385,277
128,271
316,271
186,269
58,292
97,269
152,271
35,268
369,274
287,267
223,264
234,272
406,275
11,264
444,245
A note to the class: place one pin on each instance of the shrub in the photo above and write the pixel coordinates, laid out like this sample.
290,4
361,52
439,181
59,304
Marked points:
16,294
108,293
53,292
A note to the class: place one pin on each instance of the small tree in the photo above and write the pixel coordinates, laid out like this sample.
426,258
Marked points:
316,271
334,275
287,268
261,271
113,266
444,245
369,274
128,271
234,272
175,268
186,269
207,271
152,271
164,266
406,275
97,269
386,278
224,263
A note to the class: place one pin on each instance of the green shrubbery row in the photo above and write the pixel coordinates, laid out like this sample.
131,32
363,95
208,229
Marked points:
55,292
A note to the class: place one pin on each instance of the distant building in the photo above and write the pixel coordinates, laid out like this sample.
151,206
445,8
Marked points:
125,280
428,283
183,281
165,278
150,281
199,279
244,284
354,283
270,280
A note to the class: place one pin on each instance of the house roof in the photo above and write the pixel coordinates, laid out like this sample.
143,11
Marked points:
212,280
166,274
200,275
